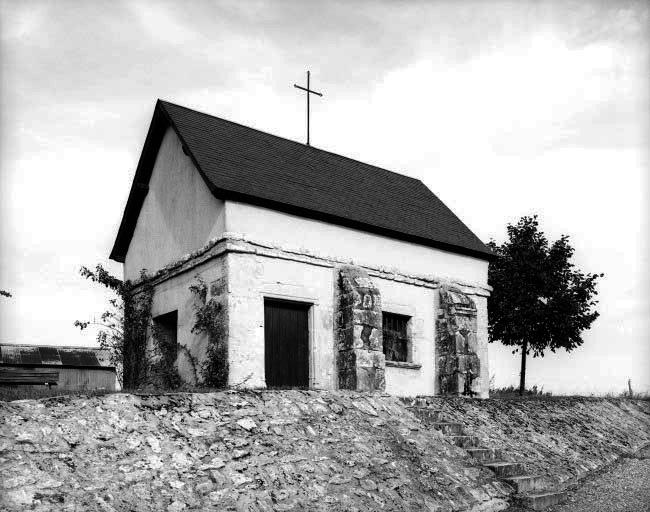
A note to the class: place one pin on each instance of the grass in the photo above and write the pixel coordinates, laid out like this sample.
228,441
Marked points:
535,392
513,392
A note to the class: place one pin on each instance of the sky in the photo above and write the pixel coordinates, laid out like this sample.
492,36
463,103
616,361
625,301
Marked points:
503,109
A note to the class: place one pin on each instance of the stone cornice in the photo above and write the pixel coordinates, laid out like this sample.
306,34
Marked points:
231,242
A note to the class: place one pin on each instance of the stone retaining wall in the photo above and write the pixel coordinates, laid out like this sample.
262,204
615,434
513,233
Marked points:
249,451
292,450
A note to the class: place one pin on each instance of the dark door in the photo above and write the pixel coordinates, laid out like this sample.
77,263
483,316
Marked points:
286,343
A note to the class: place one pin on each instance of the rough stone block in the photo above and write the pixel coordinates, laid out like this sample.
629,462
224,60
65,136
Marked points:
348,378
380,378
456,344
368,299
369,379
363,359
459,343
367,317
345,338
346,360
472,342
378,359
543,500
360,360
367,337
506,469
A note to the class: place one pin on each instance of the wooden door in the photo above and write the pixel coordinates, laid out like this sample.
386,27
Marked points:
286,344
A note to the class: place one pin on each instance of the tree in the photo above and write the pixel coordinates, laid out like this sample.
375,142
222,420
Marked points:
540,300
123,327
110,334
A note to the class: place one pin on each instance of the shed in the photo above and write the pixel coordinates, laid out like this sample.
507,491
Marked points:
78,368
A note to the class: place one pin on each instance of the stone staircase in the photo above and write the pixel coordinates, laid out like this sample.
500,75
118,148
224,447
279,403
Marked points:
532,491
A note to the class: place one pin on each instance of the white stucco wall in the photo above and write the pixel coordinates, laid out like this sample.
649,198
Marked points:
251,279
174,295
340,242
482,341
179,214
420,304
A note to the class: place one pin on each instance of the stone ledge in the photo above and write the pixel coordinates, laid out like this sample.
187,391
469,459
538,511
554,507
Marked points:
407,366
239,243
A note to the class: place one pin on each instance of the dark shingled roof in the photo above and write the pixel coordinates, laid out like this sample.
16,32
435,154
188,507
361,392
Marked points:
248,165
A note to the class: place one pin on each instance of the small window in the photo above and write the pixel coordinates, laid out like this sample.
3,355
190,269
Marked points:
395,332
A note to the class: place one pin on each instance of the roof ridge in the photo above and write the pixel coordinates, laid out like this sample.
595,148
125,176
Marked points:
300,144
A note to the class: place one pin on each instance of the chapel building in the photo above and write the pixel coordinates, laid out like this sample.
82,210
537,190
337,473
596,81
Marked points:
332,273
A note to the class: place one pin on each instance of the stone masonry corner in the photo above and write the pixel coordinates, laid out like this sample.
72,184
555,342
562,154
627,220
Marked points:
360,357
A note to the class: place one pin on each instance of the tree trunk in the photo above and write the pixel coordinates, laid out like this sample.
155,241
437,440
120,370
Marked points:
522,374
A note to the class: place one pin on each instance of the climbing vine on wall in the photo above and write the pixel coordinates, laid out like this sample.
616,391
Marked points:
137,322
124,326
163,372
210,320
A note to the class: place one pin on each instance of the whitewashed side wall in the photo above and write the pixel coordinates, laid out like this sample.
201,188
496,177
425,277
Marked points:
179,214
361,247
174,295
251,278
420,304
482,339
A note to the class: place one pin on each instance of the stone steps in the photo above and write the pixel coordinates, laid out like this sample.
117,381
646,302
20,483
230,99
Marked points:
465,441
506,469
453,429
527,483
485,454
542,500
428,416
532,490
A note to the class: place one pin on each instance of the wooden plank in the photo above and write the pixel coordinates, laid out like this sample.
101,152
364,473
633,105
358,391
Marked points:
28,376
86,379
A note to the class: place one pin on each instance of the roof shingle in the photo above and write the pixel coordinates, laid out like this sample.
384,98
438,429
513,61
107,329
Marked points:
253,166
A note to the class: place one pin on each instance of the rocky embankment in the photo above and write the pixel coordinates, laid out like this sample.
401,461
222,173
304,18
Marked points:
252,451
289,450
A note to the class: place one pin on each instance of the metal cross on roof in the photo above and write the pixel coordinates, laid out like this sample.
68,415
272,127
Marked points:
308,91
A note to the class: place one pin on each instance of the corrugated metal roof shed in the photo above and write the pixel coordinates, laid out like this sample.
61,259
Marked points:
39,355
